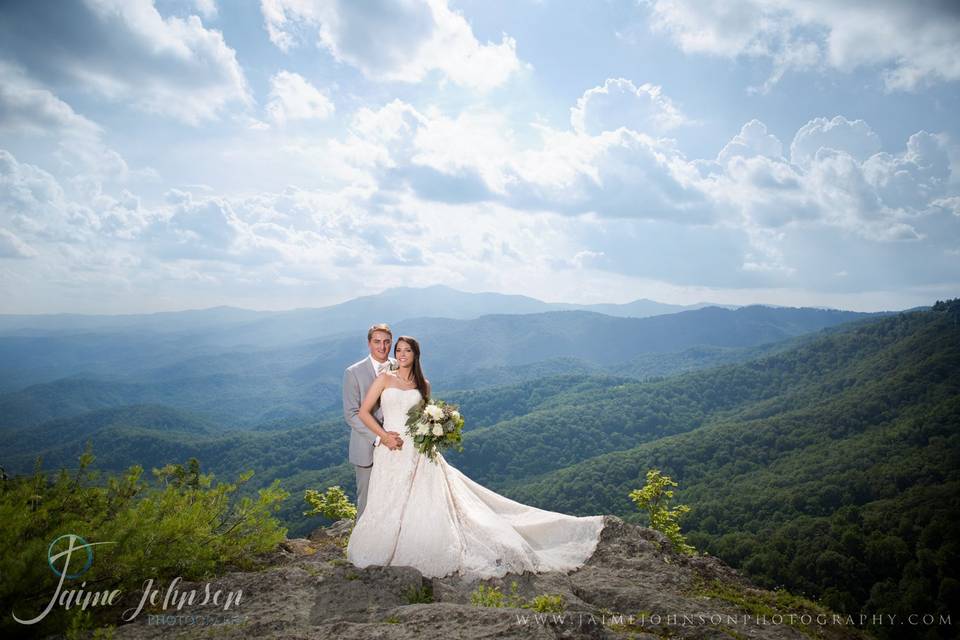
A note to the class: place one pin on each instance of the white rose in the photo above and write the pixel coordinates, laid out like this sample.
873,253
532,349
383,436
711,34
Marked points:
455,415
437,430
434,412
422,429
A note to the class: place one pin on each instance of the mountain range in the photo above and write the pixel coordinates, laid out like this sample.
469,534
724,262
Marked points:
236,325
44,377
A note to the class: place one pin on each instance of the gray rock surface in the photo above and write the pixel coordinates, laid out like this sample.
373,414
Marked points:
634,586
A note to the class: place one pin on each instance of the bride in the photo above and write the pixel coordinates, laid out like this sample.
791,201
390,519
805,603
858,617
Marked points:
431,517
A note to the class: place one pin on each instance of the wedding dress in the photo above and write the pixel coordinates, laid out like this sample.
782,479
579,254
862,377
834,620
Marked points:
431,517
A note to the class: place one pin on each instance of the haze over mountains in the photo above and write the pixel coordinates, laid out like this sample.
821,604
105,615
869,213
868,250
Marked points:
228,374
42,348
391,305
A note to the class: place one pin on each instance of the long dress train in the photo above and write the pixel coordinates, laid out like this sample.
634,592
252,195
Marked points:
432,517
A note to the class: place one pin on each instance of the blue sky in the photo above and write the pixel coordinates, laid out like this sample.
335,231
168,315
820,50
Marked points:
289,153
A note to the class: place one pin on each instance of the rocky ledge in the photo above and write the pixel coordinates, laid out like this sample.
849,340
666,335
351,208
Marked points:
634,586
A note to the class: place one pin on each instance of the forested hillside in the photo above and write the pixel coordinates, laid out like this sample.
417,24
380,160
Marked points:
580,425
843,484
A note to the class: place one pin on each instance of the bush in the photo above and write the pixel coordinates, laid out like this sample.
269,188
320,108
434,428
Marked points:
654,497
420,595
333,504
484,596
547,603
183,525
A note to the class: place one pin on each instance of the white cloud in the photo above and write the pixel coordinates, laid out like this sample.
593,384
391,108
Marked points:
170,66
752,200
293,98
721,28
31,110
380,138
247,232
951,204
13,247
845,199
914,44
394,41
586,258
753,140
32,201
627,174
40,209
207,8
853,137
297,239
920,175
620,173
27,107
837,180
618,103
767,193
483,138
618,203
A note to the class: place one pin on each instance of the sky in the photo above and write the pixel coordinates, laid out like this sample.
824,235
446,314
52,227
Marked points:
172,154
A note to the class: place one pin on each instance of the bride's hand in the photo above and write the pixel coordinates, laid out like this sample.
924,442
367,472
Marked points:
393,440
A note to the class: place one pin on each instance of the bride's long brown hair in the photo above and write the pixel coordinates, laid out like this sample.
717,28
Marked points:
417,371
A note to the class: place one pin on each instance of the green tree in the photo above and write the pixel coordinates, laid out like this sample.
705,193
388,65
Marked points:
333,504
654,498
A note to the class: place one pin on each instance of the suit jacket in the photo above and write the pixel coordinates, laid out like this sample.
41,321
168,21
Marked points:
356,380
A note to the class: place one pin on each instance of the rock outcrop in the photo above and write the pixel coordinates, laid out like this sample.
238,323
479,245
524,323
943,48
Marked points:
634,586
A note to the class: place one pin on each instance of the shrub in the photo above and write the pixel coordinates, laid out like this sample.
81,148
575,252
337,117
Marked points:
182,525
654,497
547,603
484,596
333,504
420,595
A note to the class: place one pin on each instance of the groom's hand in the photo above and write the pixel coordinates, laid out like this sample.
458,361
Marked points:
393,440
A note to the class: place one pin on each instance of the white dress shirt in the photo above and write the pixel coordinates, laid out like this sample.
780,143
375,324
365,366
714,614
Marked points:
376,365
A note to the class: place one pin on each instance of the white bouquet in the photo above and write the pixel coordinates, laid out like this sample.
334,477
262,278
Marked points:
435,425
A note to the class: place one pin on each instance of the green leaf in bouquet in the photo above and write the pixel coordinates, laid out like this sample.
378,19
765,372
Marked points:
415,413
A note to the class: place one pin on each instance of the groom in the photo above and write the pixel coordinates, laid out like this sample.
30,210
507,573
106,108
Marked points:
356,380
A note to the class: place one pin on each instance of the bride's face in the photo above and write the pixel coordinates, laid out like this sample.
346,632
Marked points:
404,354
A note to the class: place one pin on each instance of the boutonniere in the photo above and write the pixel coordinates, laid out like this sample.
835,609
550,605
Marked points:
393,366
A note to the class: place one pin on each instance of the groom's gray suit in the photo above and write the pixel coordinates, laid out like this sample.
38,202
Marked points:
356,380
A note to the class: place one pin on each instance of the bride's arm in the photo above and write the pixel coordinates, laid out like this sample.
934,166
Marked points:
366,408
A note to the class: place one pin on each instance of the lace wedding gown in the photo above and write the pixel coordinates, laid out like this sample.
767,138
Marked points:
431,517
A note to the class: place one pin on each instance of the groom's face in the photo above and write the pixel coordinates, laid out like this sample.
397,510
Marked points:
380,345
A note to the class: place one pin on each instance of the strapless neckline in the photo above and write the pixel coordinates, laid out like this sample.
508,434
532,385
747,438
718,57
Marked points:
399,389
